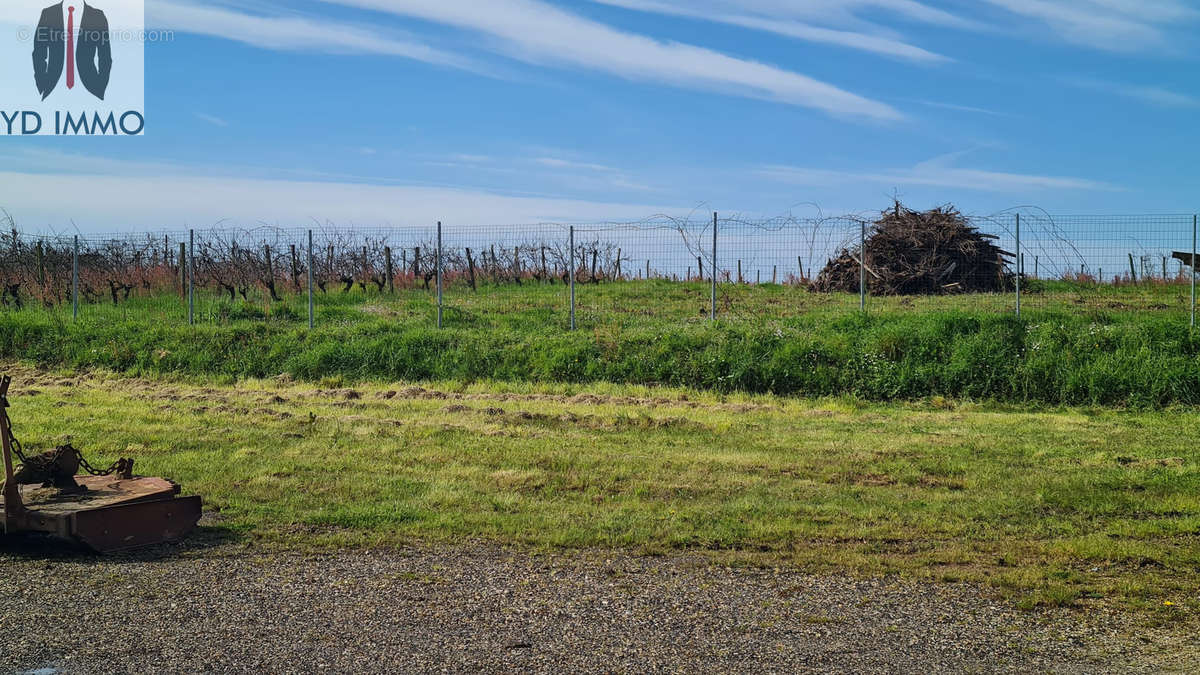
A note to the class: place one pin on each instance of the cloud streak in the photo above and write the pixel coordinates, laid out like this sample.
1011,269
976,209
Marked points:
280,32
876,44
540,33
1111,25
1153,95
130,194
930,174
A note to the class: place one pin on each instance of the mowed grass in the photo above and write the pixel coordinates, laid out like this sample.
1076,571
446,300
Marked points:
1058,507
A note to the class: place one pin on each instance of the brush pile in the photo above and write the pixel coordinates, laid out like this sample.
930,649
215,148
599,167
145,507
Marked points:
910,252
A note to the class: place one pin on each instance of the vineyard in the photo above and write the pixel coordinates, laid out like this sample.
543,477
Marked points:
43,270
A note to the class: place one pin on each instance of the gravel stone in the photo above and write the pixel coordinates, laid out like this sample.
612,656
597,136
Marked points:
210,606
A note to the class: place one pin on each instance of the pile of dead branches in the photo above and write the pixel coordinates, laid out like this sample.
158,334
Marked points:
910,252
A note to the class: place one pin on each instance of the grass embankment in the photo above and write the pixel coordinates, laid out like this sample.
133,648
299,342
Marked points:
1074,345
1059,507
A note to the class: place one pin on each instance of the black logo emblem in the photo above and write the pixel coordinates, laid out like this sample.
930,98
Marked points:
74,35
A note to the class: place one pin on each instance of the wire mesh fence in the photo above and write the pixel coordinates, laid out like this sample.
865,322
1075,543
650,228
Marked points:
564,276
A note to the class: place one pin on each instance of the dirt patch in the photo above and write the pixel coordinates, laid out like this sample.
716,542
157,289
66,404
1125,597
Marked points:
863,479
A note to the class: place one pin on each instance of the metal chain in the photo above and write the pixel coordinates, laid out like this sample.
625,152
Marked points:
83,464
19,449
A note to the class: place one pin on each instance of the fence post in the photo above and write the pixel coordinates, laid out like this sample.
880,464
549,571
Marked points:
647,270
310,281
439,272
295,268
270,266
1193,271
1132,271
1018,265
391,274
1035,268
182,270
75,280
713,293
41,261
191,277
862,266
571,274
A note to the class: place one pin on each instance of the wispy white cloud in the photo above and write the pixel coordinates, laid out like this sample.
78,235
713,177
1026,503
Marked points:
591,174
471,159
130,194
540,33
1152,95
773,23
931,174
287,31
843,13
557,163
1113,25
212,119
964,108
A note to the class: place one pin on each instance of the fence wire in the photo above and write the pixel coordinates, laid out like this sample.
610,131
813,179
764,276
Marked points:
593,274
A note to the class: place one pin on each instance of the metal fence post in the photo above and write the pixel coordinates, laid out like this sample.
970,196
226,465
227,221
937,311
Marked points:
191,277
862,265
1018,264
1194,271
311,318
75,280
571,274
439,272
713,292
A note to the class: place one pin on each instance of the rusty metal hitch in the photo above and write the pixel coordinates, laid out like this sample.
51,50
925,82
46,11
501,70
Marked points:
105,510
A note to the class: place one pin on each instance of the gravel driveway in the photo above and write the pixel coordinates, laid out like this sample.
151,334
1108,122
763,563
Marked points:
224,608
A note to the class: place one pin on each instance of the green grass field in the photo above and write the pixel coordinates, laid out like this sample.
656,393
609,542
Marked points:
1051,456
1064,506
1074,344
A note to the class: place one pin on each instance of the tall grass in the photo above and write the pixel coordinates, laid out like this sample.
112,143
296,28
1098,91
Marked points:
952,347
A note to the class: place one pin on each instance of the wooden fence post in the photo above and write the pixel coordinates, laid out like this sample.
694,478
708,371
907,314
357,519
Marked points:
471,270
41,261
182,269
295,269
391,275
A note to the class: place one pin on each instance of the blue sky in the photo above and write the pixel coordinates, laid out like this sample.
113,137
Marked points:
402,112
